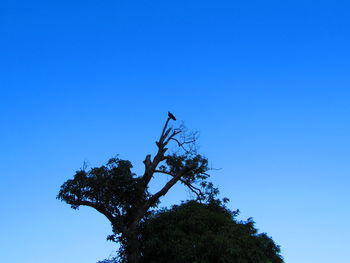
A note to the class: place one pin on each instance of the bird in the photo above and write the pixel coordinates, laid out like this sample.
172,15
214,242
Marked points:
171,116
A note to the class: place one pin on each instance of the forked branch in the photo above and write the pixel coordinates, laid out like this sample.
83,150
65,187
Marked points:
190,186
164,139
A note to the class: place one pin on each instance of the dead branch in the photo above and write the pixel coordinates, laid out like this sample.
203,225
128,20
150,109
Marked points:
150,166
155,197
183,143
192,188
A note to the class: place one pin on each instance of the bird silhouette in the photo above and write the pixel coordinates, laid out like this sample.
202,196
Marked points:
171,116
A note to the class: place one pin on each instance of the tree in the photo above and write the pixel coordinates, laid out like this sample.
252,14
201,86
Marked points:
204,233
124,198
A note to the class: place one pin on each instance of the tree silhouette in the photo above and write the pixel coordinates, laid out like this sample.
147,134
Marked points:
124,198
196,232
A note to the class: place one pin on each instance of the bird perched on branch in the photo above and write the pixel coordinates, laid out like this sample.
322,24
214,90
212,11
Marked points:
171,116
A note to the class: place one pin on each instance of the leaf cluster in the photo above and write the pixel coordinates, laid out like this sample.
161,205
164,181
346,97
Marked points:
204,233
113,187
175,163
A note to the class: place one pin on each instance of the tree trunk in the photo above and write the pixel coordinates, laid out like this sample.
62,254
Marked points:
133,247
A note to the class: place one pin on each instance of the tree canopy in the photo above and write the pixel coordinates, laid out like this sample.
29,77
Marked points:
204,233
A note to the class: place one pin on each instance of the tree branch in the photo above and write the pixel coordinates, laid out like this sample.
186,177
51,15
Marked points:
164,128
172,136
154,198
194,189
102,210
150,166
169,184
182,144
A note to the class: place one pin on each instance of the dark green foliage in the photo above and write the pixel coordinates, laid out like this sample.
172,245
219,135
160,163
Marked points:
112,187
176,163
204,233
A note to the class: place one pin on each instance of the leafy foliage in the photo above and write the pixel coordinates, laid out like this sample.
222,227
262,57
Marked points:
204,233
112,187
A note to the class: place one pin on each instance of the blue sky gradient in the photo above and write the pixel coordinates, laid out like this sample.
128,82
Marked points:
265,82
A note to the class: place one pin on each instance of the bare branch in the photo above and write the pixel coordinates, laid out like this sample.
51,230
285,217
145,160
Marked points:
165,126
183,143
175,132
164,133
167,132
150,166
194,189
155,197
147,160
168,185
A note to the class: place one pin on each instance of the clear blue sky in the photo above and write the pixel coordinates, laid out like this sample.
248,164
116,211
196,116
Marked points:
265,82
